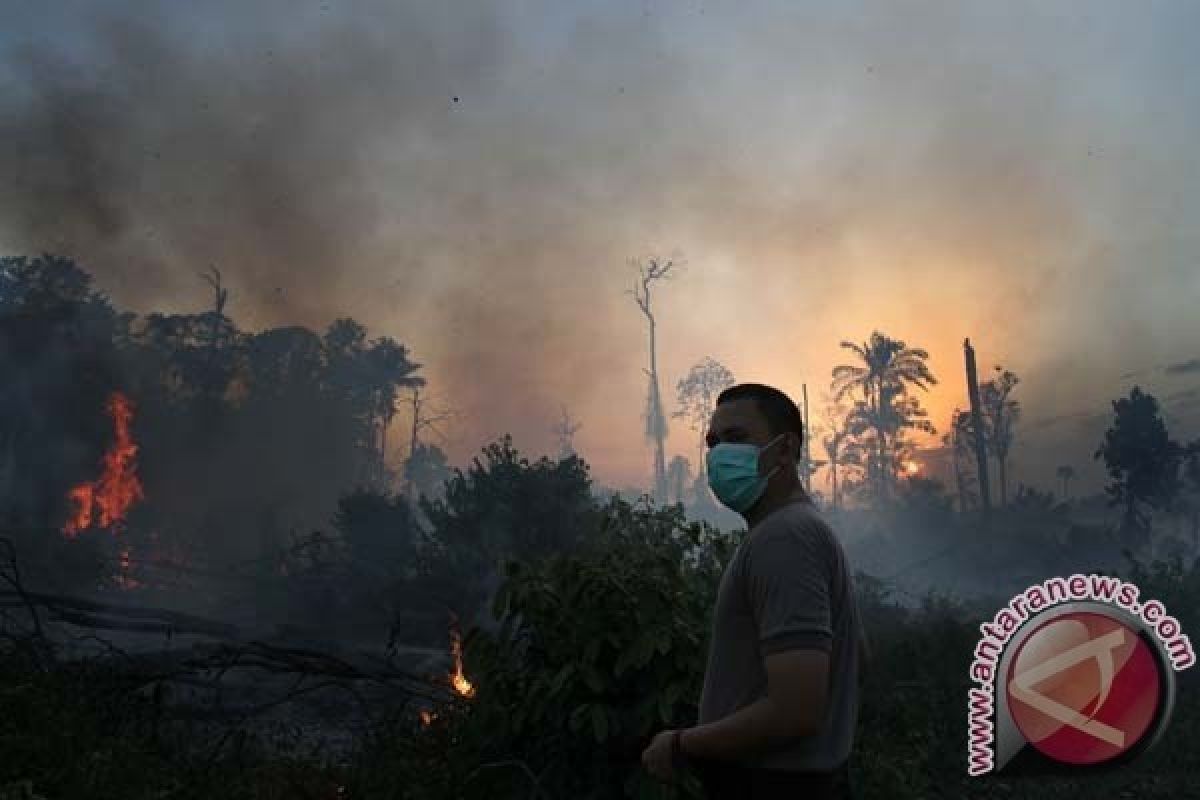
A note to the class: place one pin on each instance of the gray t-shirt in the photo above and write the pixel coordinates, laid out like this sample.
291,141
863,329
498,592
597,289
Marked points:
787,586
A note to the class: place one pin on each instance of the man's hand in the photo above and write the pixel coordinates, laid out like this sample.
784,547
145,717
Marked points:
657,757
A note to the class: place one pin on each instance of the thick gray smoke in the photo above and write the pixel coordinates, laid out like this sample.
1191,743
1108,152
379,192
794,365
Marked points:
473,181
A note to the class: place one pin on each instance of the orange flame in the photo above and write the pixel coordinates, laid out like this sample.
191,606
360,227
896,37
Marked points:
458,679
105,501
427,716
911,467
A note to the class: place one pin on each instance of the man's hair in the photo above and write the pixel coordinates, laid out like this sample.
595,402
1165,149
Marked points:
777,408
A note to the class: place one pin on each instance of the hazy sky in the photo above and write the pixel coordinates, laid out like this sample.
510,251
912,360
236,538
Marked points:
1023,174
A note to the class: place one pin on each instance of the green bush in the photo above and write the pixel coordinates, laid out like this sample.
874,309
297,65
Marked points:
596,652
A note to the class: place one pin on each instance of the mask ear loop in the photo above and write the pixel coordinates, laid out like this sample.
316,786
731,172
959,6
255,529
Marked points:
767,446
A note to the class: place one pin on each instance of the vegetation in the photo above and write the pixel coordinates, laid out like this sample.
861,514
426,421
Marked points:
585,621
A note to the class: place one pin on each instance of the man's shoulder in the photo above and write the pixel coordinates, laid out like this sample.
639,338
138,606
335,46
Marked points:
795,527
800,519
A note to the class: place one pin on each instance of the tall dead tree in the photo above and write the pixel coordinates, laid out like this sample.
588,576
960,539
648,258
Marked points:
656,421
420,421
220,297
978,429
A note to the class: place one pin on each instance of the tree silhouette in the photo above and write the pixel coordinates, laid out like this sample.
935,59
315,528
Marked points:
1000,413
565,431
426,470
887,367
1142,460
679,473
1065,473
649,273
959,441
697,395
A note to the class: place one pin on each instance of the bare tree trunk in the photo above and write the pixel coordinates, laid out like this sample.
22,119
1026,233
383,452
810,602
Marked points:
660,462
977,424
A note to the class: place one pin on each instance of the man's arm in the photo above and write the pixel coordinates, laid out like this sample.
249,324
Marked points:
794,706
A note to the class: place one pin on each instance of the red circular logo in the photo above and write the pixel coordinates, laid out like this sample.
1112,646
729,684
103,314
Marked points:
1084,688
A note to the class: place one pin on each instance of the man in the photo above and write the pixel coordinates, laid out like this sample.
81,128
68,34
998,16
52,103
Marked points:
780,699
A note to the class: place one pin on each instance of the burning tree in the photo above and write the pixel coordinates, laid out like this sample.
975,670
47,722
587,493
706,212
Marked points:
102,503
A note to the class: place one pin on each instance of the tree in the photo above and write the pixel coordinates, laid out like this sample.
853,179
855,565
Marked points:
387,370
379,530
565,431
1065,473
977,431
503,505
426,470
1191,477
679,473
697,395
834,443
1000,413
959,441
423,418
656,422
887,367
1142,460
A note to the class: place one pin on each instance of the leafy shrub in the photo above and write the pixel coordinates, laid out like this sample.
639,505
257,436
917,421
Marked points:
596,652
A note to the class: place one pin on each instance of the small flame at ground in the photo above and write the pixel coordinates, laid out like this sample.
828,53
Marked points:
458,679
911,467
427,716
104,502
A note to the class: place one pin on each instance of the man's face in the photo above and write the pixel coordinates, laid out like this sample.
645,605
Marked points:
738,421
741,421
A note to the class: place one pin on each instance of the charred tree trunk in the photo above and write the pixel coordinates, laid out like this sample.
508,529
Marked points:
977,426
647,274
660,460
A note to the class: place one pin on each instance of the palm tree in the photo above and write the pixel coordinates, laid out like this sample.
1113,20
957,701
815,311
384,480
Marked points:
887,367
1065,473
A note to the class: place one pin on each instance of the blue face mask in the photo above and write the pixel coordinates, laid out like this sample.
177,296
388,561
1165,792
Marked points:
733,474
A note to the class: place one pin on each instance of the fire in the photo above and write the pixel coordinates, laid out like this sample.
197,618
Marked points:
427,716
458,679
911,467
104,502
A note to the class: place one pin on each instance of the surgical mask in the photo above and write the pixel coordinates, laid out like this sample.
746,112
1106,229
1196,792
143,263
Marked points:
733,473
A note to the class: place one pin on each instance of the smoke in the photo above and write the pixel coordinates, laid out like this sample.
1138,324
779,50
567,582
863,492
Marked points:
474,183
